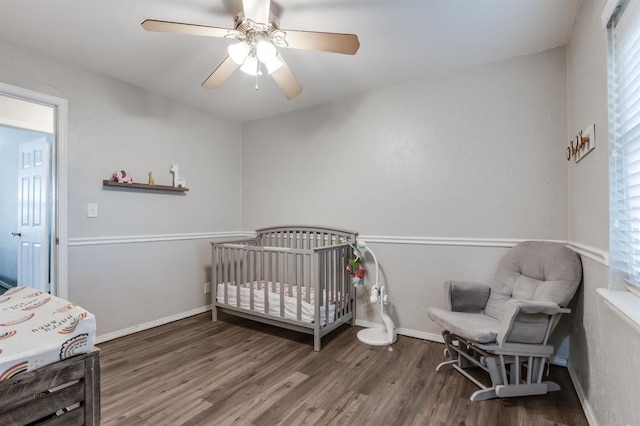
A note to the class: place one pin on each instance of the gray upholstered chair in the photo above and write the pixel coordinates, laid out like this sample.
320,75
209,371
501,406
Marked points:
504,327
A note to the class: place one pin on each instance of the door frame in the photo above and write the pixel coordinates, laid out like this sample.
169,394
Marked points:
60,239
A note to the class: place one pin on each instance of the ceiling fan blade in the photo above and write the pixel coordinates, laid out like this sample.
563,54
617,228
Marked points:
286,80
325,42
256,10
220,74
192,29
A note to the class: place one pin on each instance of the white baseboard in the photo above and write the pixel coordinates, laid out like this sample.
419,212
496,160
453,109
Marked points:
151,324
433,337
586,406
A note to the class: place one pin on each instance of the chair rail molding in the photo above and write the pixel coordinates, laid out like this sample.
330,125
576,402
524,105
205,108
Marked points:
441,241
592,253
130,239
595,254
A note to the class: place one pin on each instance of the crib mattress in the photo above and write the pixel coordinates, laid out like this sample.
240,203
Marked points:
290,301
37,329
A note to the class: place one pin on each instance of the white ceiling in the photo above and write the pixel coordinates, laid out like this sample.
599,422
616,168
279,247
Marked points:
401,40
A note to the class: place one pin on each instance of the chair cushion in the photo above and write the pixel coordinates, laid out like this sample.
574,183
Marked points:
535,270
477,327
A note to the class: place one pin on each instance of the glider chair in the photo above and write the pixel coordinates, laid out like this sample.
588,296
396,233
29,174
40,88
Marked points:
504,327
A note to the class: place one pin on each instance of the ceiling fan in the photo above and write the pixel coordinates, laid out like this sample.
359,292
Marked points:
259,35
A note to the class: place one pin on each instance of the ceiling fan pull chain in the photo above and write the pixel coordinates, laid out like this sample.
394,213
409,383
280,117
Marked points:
257,73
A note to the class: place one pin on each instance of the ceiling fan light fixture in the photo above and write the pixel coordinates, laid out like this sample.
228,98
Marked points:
268,55
238,52
272,64
250,66
265,51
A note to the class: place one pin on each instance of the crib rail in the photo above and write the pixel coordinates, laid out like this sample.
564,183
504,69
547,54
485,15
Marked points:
303,237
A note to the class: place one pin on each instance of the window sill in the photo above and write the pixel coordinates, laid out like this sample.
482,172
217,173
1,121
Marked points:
624,304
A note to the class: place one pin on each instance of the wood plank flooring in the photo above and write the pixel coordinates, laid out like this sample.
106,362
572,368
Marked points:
236,371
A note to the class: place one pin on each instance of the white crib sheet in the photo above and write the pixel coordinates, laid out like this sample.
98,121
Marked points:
290,302
37,329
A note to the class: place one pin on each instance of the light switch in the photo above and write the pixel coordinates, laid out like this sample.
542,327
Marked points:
92,209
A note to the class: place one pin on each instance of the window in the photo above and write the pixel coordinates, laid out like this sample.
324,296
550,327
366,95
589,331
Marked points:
624,142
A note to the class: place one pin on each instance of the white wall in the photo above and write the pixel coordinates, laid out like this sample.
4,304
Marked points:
473,154
26,115
605,350
113,126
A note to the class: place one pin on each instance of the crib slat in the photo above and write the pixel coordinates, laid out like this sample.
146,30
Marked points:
285,279
343,284
338,283
300,284
311,277
295,268
251,267
265,271
327,286
225,275
214,277
233,266
317,288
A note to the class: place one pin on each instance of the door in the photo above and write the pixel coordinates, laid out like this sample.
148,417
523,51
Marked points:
33,221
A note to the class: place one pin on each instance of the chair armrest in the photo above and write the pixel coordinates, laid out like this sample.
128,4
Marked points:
515,309
466,296
535,307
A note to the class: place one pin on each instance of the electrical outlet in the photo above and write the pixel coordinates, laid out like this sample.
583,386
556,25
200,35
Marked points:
207,288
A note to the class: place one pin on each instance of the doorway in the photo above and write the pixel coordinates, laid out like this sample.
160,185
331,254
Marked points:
26,220
33,228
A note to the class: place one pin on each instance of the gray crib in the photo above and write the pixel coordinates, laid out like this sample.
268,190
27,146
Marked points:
293,277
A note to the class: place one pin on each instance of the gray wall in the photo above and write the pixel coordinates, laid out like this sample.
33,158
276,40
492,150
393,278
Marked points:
113,126
473,154
605,350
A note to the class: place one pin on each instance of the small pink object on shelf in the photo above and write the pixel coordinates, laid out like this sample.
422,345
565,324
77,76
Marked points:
122,176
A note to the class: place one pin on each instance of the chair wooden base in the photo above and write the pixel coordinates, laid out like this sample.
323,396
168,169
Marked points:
505,370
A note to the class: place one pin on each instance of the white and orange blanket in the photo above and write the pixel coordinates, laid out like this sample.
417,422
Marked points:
37,329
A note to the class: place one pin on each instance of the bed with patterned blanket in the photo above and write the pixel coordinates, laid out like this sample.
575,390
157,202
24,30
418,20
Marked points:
49,369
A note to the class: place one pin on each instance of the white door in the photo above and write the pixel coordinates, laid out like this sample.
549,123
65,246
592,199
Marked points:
33,220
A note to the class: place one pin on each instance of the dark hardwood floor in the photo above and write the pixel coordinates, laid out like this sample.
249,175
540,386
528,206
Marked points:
237,371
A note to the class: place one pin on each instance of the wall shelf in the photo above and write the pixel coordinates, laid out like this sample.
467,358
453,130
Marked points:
107,182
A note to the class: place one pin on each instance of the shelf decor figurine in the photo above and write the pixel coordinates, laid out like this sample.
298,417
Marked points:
178,182
122,176
151,180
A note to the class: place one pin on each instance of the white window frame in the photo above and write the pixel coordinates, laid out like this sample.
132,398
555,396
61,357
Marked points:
625,256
